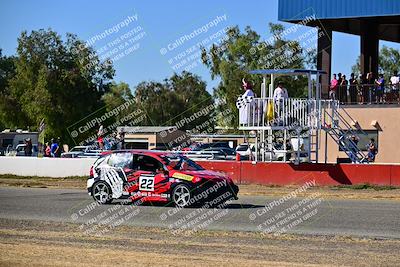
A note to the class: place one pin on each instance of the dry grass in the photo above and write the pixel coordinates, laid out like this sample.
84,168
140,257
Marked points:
55,244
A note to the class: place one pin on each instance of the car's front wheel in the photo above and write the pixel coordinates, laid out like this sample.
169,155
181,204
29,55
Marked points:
181,195
102,193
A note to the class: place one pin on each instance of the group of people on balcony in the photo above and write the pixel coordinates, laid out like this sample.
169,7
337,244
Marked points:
366,89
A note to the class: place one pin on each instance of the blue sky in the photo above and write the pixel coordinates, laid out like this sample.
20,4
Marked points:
163,22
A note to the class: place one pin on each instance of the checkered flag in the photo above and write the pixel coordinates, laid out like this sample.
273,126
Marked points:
242,101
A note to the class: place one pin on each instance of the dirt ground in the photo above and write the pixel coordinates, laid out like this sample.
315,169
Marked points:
36,243
339,192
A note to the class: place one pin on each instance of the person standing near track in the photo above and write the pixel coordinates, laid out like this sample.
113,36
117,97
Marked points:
47,150
54,148
28,147
100,139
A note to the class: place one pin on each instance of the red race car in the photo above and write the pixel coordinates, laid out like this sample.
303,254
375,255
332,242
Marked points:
150,176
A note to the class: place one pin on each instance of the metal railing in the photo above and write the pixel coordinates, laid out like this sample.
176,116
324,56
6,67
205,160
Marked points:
368,94
342,136
285,113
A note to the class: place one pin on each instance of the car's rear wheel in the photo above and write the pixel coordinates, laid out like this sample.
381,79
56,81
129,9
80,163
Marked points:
181,195
102,193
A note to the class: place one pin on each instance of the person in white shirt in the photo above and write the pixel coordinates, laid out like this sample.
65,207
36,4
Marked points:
395,82
245,111
280,92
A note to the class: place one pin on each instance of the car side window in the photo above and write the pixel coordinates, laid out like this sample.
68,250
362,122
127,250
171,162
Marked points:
120,160
147,163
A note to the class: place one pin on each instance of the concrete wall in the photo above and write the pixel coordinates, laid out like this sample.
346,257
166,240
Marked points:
240,171
51,167
388,118
245,172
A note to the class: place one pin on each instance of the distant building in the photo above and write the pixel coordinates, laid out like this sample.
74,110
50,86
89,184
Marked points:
152,137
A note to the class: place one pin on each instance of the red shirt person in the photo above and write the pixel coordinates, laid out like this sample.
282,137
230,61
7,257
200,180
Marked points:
333,88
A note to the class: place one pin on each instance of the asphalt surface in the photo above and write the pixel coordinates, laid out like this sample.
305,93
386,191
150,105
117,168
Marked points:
310,216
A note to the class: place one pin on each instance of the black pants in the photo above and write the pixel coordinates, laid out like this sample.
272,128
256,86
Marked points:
353,94
343,94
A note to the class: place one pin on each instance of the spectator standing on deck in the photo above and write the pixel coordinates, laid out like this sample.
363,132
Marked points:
333,88
343,90
380,89
280,94
339,91
395,82
372,150
371,87
244,111
353,89
364,89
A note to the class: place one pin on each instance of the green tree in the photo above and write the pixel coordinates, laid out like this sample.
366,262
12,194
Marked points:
388,61
240,52
175,99
60,82
118,94
9,107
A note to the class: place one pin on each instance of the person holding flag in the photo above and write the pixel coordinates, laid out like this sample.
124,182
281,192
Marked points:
244,103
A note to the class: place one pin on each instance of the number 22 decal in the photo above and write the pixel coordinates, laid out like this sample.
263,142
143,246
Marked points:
146,183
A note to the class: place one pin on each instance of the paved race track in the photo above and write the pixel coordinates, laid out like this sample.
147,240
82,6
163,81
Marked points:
313,216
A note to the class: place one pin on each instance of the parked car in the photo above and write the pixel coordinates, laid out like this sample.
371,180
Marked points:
216,153
150,176
20,150
82,152
247,151
202,146
93,153
75,152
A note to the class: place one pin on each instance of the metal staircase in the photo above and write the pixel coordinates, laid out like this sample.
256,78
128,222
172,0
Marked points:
340,130
313,145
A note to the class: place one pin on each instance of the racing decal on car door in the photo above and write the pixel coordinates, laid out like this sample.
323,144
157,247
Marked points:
113,177
182,176
146,182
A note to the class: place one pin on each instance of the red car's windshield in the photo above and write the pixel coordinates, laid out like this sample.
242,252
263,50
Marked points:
181,163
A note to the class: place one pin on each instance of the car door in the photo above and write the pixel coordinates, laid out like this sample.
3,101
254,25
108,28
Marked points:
153,175
148,175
